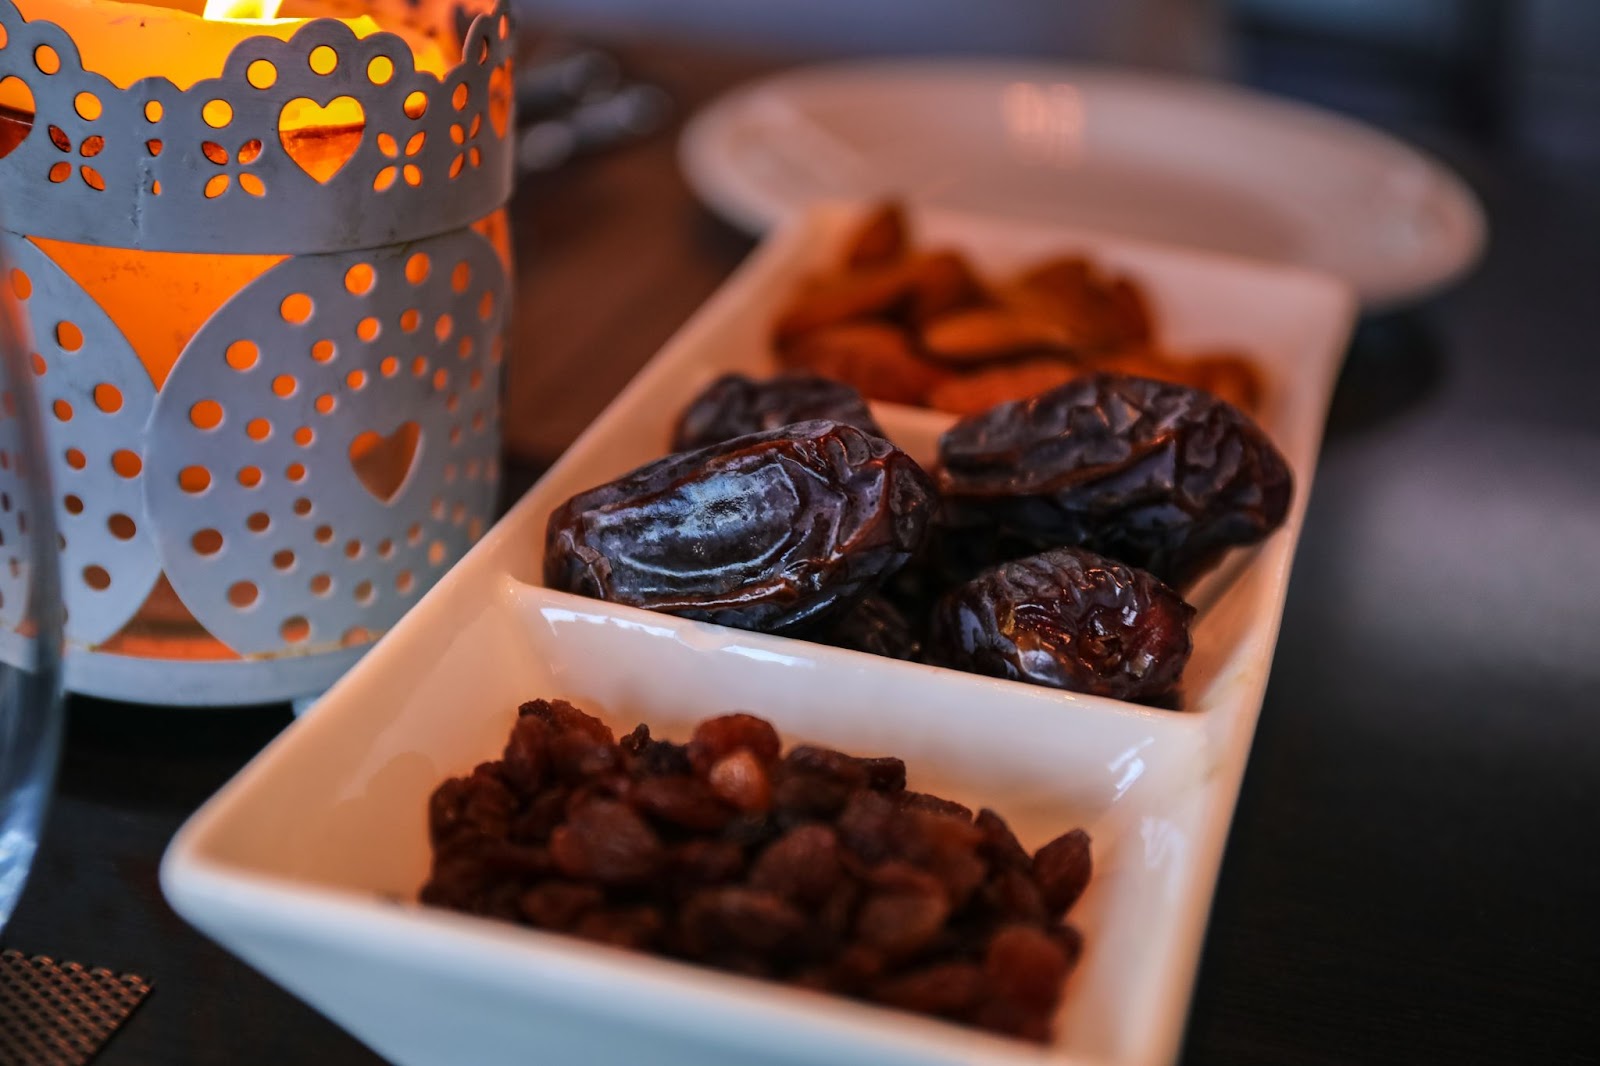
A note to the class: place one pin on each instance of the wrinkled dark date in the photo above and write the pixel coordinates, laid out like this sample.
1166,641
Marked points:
734,405
1068,619
874,626
1160,476
767,532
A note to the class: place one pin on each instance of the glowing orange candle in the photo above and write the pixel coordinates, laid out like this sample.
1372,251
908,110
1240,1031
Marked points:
125,42
400,144
179,42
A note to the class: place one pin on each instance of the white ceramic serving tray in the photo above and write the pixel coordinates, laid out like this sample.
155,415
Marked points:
307,864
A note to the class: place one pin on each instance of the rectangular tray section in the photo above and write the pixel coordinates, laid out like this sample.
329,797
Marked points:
308,863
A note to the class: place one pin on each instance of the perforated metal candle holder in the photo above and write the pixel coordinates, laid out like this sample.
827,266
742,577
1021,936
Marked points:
266,315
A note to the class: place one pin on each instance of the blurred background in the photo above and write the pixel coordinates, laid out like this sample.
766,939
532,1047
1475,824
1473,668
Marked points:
1504,92
1527,70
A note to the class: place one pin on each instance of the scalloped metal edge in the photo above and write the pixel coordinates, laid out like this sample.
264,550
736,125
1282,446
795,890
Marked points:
100,181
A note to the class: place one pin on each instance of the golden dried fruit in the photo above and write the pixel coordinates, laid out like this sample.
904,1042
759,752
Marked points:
923,327
879,240
1096,311
970,394
874,357
829,301
1226,375
987,334
1140,362
942,281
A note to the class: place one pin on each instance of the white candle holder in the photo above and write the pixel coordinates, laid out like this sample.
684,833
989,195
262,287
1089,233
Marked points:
252,492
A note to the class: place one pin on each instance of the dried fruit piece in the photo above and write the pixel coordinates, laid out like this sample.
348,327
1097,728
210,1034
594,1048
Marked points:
1159,476
903,912
1094,311
1011,894
725,734
716,920
946,989
734,405
680,800
648,757
506,858
941,282
526,753
541,815
921,801
944,845
1062,868
622,927
559,904
605,841
976,392
766,532
866,824
881,773
1227,376
1025,966
481,808
999,845
740,781
985,334
563,717
875,357
879,239
1068,619
802,865
575,755
707,862
831,301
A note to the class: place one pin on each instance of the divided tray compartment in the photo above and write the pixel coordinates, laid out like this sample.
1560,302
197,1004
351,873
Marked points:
307,864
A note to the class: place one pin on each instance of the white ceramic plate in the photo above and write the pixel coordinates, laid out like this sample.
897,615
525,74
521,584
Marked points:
307,863
1178,160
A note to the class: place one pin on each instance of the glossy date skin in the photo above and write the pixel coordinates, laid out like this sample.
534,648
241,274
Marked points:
1068,619
1160,476
769,531
734,405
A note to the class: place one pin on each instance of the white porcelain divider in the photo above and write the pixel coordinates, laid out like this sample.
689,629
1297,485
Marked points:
307,862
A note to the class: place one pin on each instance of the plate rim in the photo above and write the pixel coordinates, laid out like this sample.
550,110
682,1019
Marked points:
726,190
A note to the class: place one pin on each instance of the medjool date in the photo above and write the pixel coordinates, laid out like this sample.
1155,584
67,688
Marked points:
767,532
734,406
1068,619
1159,476
875,626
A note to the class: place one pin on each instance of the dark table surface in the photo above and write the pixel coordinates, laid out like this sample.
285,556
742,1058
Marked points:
1410,875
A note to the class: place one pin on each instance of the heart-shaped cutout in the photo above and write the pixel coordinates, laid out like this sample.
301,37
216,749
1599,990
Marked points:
500,98
322,138
384,463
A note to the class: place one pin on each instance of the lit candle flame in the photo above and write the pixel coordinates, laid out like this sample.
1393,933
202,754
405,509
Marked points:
241,10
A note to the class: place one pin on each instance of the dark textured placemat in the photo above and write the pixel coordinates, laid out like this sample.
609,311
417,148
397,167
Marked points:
60,1014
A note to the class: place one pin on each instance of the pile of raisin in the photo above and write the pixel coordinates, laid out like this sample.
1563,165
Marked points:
810,867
